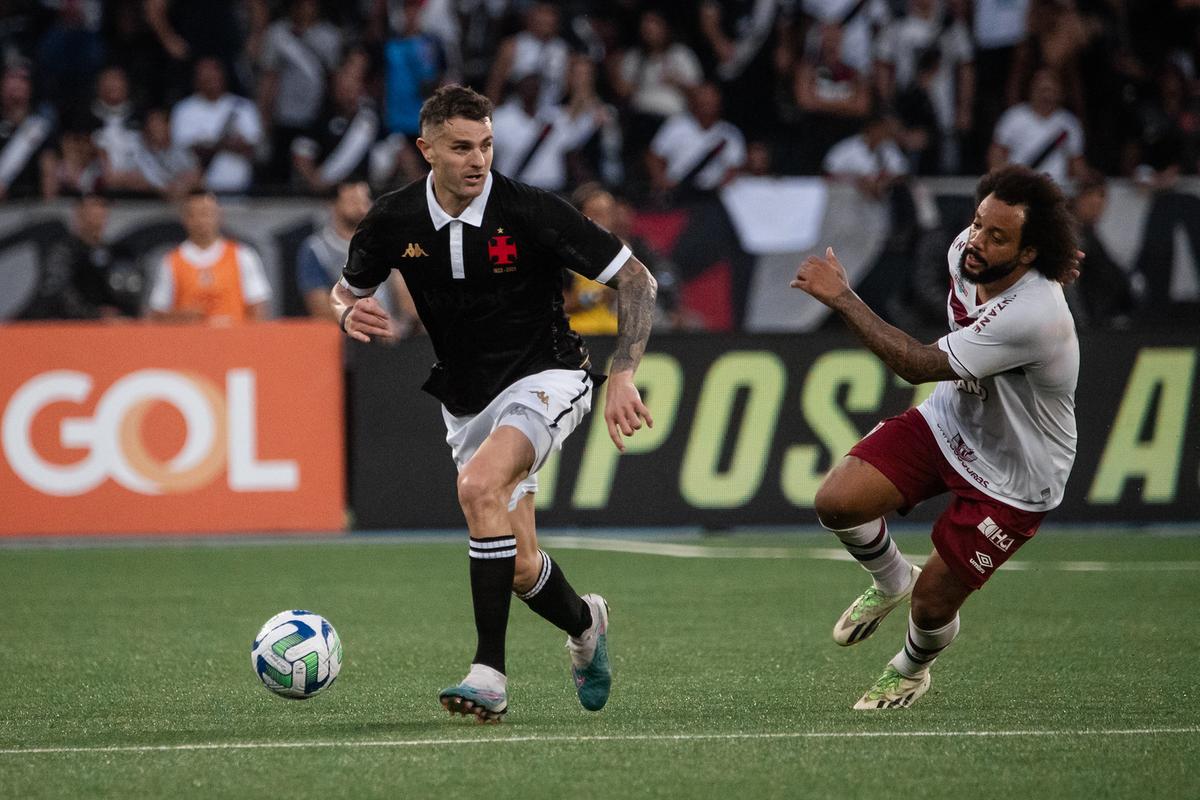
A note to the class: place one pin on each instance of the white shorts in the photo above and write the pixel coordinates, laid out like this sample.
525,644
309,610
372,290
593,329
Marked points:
545,407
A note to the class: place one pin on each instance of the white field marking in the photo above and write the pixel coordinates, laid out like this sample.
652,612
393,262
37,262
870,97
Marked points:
836,554
635,737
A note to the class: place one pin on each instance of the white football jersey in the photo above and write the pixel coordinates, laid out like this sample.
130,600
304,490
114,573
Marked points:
1008,426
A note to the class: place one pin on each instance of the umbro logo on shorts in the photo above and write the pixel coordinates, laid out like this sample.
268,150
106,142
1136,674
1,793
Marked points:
982,562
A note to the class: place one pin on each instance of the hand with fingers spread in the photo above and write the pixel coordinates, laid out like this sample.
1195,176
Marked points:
624,410
367,319
822,277
1073,273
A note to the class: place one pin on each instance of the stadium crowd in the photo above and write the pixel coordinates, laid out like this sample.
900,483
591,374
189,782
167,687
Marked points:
661,103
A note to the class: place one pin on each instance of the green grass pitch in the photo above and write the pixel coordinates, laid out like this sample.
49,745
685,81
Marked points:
127,674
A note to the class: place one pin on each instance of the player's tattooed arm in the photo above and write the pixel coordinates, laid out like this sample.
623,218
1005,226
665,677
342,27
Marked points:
824,279
636,289
624,411
910,359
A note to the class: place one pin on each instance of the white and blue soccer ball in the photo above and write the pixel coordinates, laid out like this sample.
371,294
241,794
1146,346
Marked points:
296,654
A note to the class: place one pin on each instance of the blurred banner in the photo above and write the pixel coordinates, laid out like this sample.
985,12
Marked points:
138,428
746,426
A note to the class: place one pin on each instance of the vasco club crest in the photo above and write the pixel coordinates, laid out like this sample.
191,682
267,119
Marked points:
502,252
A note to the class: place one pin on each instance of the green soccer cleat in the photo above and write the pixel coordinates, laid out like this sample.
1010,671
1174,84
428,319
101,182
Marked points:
486,705
863,616
893,690
589,657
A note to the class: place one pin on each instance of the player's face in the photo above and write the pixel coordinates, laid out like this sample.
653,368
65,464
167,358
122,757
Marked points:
994,248
460,155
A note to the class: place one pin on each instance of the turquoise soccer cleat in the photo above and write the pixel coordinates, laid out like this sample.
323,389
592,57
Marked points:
589,657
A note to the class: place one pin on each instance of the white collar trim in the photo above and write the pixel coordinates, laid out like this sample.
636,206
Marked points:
472,214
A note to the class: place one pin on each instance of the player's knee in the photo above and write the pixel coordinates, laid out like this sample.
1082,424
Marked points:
477,491
835,507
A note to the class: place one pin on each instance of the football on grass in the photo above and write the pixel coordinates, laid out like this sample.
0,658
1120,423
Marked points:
296,654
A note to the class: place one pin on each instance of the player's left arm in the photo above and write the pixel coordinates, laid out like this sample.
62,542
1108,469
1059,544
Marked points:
824,279
624,411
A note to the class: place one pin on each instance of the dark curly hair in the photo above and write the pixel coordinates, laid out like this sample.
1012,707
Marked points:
1049,226
454,101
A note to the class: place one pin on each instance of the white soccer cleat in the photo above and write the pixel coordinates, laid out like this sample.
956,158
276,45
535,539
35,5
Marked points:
893,690
590,668
863,616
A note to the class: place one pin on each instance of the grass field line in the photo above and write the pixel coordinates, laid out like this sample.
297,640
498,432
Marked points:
633,737
675,550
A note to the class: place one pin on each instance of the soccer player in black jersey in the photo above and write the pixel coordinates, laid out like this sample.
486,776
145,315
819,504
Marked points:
482,256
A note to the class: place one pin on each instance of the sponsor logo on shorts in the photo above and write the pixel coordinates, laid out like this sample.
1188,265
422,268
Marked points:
545,398
995,535
982,562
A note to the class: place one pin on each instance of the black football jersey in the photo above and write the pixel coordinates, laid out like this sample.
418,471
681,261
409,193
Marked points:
487,284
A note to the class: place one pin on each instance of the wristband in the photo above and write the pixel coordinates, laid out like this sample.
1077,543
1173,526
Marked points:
342,321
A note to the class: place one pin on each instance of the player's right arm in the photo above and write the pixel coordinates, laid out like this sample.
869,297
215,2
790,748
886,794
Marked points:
824,279
352,298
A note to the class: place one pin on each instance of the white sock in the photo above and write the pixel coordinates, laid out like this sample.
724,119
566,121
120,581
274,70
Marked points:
873,547
921,648
482,676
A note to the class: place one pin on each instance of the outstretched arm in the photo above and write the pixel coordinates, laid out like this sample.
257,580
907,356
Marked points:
623,409
824,279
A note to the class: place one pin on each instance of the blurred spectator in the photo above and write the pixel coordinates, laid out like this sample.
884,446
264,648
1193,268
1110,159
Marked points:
208,278
188,31
929,34
1055,38
871,160
321,257
468,31
653,79
79,166
222,129
1104,289
163,166
298,54
536,50
738,38
532,142
859,22
413,65
114,127
998,26
921,135
85,277
696,151
27,161
1168,144
70,53
17,31
597,155
1040,134
592,306
832,97
340,146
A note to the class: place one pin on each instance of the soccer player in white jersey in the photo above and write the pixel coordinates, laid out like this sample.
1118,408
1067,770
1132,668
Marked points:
998,432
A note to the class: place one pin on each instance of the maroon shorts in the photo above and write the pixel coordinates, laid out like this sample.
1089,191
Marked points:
976,533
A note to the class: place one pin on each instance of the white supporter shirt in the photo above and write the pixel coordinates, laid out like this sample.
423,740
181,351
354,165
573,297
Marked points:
683,143
195,120
255,286
1026,135
1008,426
853,156
517,133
